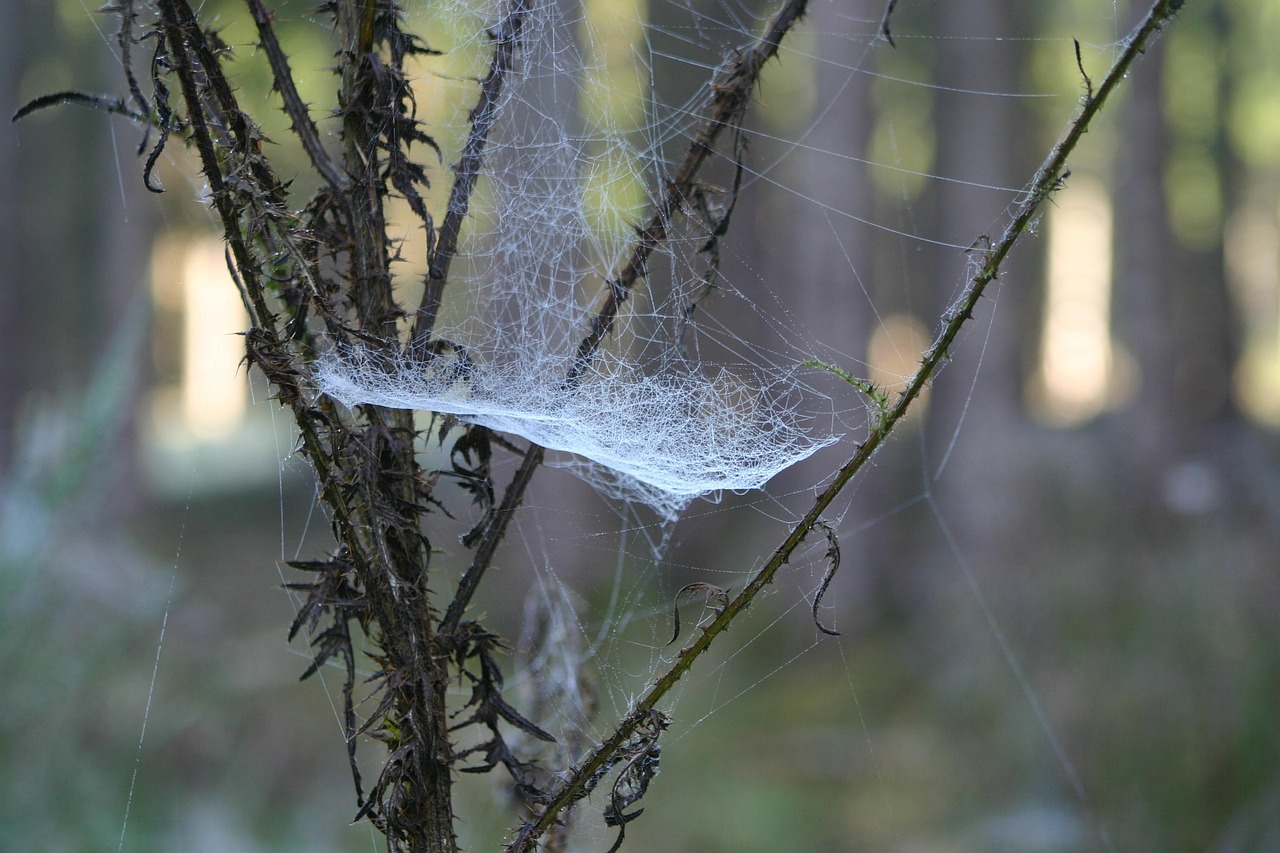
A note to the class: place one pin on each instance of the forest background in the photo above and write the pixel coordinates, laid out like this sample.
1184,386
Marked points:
1122,524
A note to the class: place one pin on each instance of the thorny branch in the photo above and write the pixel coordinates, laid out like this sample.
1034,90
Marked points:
730,94
467,171
368,478
1088,83
102,103
1043,184
303,127
257,190
490,538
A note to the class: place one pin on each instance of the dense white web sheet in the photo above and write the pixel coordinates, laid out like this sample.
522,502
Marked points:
664,439
653,421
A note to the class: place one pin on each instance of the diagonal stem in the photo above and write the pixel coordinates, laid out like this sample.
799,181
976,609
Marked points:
724,108
303,126
730,94
1047,179
729,98
492,537
467,172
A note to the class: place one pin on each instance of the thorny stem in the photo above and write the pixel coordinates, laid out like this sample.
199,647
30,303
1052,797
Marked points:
184,38
467,171
730,94
378,523
1046,180
412,799
264,342
303,126
101,103
371,280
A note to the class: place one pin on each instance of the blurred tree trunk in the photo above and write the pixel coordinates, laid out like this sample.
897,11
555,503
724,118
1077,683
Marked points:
75,236
1145,267
125,225
983,138
1172,309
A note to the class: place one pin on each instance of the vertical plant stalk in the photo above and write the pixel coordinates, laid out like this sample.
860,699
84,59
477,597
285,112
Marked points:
412,800
368,473
489,540
1048,178
443,247
370,284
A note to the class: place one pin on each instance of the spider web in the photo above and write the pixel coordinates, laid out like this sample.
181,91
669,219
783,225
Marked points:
712,379
707,383
651,415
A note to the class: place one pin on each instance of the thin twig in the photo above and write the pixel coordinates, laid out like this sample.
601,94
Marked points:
730,94
884,22
102,103
490,539
1088,84
466,173
1045,181
124,39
